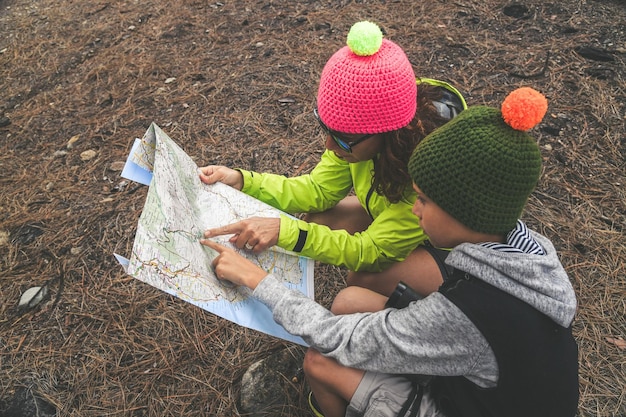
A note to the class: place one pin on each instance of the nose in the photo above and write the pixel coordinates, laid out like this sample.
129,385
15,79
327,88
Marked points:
417,209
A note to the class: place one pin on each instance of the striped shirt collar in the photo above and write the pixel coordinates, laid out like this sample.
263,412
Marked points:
518,240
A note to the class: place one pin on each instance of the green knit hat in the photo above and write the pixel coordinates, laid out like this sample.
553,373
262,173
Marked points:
481,166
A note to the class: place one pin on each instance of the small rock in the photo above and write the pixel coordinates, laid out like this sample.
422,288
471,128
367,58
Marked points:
4,238
32,297
117,166
88,155
120,186
72,141
170,80
4,121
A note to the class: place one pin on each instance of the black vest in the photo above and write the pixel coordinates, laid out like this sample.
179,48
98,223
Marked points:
537,358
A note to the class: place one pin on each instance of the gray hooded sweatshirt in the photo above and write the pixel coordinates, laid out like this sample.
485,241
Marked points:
431,336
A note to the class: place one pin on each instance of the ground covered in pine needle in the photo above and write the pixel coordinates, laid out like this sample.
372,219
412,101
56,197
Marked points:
234,83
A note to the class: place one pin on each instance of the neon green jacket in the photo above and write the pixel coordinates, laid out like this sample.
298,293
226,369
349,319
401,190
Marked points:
392,235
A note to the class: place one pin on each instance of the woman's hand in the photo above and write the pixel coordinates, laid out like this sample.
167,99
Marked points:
217,173
255,234
231,266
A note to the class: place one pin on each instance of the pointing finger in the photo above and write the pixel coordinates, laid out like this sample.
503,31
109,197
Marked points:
219,231
213,245
234,228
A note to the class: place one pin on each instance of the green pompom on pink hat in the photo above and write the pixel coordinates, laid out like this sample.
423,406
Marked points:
367,86
482,166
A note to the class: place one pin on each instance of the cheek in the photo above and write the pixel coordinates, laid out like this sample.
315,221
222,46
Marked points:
330,143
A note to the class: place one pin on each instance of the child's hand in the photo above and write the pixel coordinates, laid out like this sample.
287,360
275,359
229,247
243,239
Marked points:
231,266
255,234
214,173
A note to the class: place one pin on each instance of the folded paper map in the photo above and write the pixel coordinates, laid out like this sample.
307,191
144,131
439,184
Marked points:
179,207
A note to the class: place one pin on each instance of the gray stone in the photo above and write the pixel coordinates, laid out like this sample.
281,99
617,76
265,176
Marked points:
272,383
25,403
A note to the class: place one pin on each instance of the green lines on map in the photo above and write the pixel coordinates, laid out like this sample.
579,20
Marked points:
166,272
193,235
194,288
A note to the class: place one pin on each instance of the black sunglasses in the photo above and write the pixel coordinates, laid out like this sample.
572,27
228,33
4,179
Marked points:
343,143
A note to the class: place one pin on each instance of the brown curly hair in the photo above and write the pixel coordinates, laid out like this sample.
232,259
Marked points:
391,175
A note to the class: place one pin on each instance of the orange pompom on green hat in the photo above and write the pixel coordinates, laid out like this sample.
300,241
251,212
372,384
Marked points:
481,166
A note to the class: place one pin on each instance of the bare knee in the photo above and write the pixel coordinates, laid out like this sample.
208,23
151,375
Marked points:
341,303
419,270
315,365
357,300
347,215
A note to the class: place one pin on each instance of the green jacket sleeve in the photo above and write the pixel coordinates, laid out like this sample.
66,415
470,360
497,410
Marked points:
327,184
390,238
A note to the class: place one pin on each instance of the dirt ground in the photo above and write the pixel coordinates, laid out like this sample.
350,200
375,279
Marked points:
234,83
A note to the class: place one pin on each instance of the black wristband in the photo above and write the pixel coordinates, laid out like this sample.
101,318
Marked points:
301,240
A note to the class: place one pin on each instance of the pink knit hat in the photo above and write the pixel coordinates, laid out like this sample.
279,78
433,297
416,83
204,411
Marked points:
367,86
